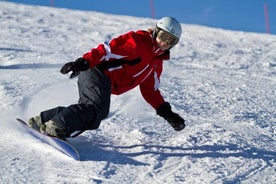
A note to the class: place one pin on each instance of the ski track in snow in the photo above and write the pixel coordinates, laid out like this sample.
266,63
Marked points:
222,82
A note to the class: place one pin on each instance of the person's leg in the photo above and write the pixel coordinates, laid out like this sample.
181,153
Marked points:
95,89
37,121
94,103
49,114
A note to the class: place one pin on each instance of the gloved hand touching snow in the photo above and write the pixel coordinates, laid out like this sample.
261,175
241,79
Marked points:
173,119
75,67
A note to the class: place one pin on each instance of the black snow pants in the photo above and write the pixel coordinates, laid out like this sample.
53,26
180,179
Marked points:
93,106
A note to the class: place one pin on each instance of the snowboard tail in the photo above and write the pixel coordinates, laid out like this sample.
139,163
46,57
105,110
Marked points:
59,144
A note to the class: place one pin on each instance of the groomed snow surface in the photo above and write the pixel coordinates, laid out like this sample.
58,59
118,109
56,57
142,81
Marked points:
222,82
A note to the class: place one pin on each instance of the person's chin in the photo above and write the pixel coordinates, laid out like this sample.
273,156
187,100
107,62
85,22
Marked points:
162,47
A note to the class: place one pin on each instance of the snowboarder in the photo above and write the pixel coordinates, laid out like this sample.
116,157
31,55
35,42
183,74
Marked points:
114,67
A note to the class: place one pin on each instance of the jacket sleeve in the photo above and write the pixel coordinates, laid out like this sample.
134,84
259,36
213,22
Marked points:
95,56
121,47
149,89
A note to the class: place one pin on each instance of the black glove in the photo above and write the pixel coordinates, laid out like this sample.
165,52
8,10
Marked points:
173,119
76,67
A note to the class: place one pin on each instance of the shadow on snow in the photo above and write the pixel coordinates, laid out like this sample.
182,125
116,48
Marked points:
125,155
30,66
89,150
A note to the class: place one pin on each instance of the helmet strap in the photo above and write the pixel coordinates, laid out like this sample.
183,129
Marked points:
155,32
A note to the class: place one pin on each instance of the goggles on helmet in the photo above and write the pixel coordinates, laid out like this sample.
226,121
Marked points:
166,37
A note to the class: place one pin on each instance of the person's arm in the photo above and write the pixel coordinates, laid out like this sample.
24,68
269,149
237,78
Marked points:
150,92
116,49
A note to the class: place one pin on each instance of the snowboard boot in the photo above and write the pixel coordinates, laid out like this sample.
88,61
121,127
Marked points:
35,122
52,129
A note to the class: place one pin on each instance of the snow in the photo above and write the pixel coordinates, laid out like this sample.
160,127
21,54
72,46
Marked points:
222,82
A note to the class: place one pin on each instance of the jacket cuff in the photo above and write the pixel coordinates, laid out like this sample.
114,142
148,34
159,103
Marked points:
164,110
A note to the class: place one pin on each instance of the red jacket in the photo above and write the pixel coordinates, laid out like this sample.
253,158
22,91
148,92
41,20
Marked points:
146,73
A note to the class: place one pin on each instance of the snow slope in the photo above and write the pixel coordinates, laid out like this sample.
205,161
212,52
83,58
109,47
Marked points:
222,82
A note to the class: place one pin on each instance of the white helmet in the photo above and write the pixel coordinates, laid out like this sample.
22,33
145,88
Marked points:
170,25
